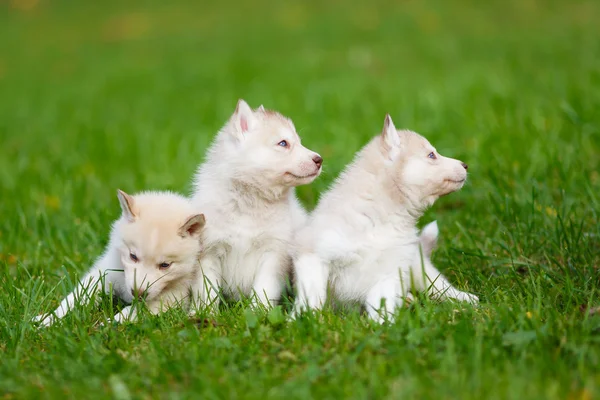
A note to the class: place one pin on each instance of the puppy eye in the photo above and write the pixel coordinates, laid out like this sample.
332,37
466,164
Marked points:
133,257
431,155
283,143
164,265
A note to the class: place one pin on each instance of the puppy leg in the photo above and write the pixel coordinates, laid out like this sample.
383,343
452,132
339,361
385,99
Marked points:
99,277
428,278
205,289
127,314
382,299
268,283
311,282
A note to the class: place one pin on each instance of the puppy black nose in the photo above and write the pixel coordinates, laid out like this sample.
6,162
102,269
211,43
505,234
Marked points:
465,166
318,160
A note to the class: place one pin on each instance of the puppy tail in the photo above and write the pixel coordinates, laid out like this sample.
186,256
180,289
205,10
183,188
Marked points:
429,237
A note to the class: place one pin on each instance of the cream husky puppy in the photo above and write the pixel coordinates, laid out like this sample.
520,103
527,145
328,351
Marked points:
362,237
152,254
246,190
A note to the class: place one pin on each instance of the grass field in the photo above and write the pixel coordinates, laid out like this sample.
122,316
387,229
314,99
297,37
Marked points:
96,96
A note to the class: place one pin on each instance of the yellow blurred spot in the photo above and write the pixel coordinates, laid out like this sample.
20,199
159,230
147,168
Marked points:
594,176
583,394
12,259
528,313
429,22
88,169
52,202
551,211
293,16
287,355
24,5
366,18
126,27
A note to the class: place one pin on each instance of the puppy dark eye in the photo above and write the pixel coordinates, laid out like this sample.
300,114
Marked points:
133,257
283,143
164,265
431,155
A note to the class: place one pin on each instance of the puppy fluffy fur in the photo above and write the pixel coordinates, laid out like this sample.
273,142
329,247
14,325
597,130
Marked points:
152,253
245,188
362,237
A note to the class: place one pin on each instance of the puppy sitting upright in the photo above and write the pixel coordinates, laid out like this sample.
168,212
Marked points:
362,237
152,254
246,189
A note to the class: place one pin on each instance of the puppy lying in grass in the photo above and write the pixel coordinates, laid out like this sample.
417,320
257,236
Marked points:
362,238
152,254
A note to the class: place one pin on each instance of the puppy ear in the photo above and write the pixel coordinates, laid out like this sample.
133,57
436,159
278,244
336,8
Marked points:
390,137
127,205
428,238
243,118
192,226
261,108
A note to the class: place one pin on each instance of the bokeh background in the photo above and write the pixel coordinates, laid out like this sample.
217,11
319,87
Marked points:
96,96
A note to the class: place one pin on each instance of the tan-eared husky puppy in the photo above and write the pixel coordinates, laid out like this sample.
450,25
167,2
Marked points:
362,237
245,188
152,254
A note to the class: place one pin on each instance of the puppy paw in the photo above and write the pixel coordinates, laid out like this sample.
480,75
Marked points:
43,320
468,297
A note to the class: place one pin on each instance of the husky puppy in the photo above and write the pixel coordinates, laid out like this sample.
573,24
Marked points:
152,254
245,188
362,237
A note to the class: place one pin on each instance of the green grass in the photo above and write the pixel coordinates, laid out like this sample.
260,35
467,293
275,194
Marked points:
96,96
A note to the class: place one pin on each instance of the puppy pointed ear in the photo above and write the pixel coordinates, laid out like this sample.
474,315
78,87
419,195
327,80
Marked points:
428,238
391,138
127,205
192,226
243,118
261,108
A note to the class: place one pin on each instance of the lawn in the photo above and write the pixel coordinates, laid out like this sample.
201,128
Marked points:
96,96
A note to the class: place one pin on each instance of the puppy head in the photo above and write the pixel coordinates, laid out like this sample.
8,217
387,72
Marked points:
160,242
418,170
266,151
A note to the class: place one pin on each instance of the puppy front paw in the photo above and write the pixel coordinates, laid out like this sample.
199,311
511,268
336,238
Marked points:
43,320
468,297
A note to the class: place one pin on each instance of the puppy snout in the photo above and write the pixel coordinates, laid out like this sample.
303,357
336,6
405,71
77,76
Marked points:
318,160
137,292
465,166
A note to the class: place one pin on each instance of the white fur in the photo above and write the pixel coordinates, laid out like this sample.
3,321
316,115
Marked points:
157,227
245,188
362,238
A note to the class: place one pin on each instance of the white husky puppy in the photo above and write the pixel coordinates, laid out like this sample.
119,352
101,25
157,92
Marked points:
245,188
152,254
362,237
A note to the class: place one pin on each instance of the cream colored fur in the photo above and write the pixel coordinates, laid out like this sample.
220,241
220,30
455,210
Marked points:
155,228
362,238
246,189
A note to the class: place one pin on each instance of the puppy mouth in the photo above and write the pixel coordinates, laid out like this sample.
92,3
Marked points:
457,181
302,176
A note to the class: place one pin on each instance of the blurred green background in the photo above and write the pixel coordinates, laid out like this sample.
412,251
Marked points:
96,96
